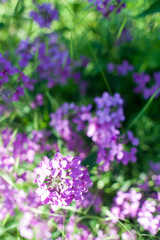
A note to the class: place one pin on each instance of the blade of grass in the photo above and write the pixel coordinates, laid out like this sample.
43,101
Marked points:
143,109
100,69
93,53
7,178
109,214
121,29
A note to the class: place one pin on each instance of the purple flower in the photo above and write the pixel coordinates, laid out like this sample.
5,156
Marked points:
6,69
45,15
124,68
106,7
61,181
19,92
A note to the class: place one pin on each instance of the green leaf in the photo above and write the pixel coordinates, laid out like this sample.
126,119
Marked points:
7,178
121,28
19,7
2,25
154,8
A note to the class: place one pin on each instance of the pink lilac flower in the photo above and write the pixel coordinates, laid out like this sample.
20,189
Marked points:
44,15
126,204
32,227
148,216
129,235
61,180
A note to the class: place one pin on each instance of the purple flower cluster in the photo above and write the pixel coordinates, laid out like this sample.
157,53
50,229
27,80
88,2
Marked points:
121,69
61,180
44,15
21,147
31,227
38,101
102,127
6,71
142,80
104,131
145,85
149,215
69,120
126,204
11,197
54,64
106,7
141,204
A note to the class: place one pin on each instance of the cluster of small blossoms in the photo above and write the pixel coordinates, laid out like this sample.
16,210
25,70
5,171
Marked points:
106,7
104,131
102,127
76,230
38,101
6,71
89,200
55,65
145,85
141,204
126,204
21,148
10,198
148,215
142,80
44,15
69,120
31,227
61,181
121,69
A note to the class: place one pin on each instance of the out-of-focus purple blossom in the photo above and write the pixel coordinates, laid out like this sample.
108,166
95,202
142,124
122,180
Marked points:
110,67
26,52
68,121
148,216
11,198
19,92
142,79
91,200
61,181
129,235
124,68
37,102
31,227
22,147
155,167
44,15
126,204
6,69
106,7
